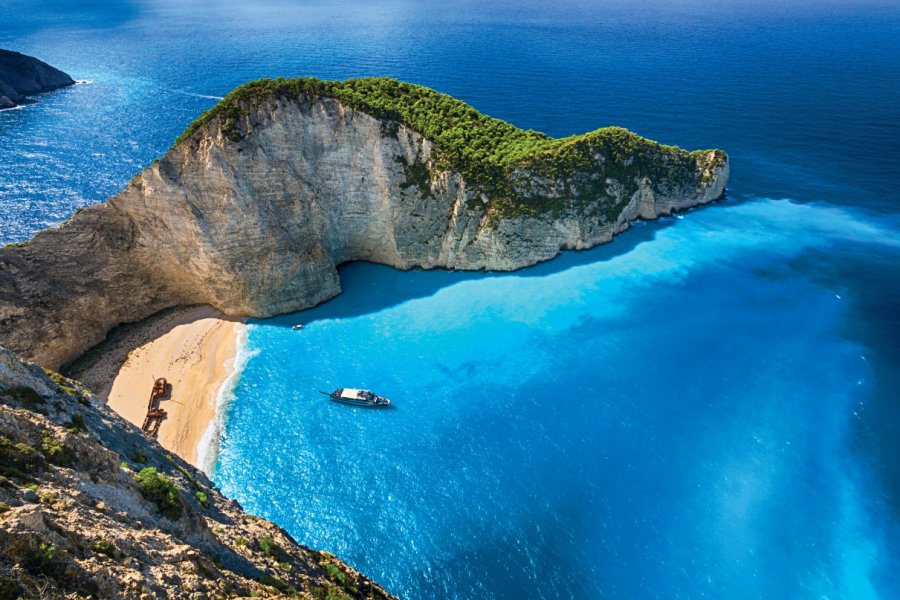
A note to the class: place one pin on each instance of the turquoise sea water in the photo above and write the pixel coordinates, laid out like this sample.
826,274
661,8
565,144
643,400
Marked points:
672,415
706,407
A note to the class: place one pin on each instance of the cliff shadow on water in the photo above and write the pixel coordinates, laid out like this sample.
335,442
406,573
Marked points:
368,288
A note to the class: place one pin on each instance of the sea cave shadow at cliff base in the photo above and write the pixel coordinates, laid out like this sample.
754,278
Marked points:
368,288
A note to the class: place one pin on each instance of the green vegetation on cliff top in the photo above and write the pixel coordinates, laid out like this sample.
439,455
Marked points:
476,145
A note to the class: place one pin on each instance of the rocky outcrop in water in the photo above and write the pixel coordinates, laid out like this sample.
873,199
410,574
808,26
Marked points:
254,210
91,508
22,76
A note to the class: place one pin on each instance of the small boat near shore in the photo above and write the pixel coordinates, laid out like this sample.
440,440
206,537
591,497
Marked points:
357,397
297,326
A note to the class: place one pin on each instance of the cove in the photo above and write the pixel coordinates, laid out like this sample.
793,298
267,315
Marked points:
673,414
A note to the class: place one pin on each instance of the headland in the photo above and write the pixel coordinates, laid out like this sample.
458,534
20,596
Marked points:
22,76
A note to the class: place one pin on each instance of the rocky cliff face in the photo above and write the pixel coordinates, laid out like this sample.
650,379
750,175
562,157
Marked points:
90,507
22,76
253,215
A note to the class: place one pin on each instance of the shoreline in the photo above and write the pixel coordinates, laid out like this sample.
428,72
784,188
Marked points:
196,349
206,448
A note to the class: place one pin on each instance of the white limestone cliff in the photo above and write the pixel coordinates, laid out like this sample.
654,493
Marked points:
256,226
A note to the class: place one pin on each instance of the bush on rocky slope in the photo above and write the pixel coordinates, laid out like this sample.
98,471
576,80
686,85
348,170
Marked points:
76,520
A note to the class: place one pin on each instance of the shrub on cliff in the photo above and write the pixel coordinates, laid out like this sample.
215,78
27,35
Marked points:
268,546
202,498
18,459
42,560
105,546
56,452
160,489
27,396
278,584
10,589
76,424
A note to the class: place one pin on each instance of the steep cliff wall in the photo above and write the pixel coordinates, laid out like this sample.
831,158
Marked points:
91,508
265,195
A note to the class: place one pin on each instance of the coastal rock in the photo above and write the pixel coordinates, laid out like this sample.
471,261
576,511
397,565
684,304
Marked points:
22,76
82,515
265,196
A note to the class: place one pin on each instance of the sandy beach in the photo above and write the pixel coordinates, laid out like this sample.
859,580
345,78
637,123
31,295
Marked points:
193,348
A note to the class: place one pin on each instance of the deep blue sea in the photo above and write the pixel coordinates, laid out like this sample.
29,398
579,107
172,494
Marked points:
708,407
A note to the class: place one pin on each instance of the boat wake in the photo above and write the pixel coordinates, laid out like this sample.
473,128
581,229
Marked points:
195,95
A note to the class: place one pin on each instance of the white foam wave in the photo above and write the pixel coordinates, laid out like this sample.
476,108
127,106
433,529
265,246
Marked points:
208,446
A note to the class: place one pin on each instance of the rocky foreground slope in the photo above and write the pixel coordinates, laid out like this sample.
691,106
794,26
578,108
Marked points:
22,76
266,194
91,508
